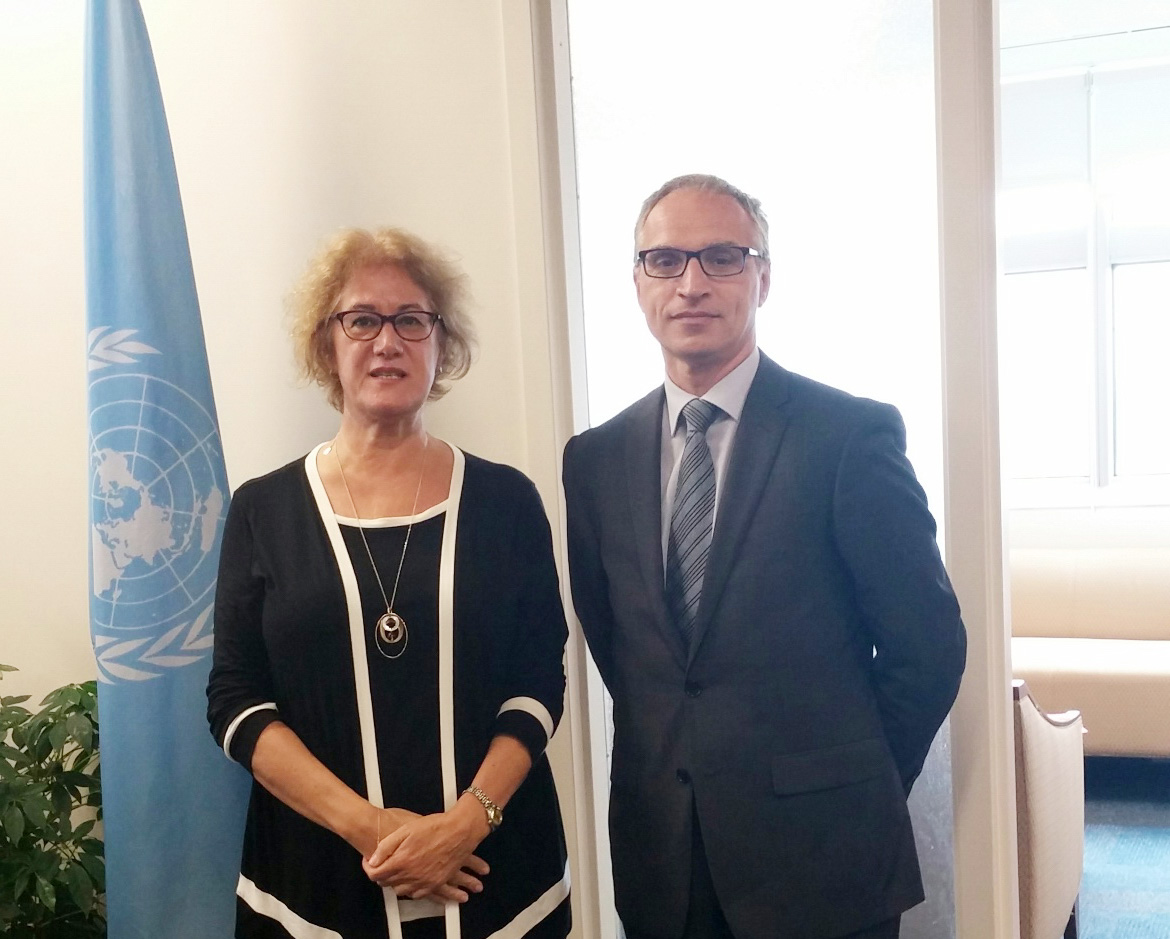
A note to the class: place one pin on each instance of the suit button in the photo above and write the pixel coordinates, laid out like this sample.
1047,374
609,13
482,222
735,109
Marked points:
693,689
682,776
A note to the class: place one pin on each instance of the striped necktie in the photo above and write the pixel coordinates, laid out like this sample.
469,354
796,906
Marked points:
690,518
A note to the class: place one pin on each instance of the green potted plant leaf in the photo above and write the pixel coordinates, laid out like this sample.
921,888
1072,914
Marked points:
52,867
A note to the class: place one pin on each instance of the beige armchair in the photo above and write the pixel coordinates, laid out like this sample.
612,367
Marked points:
1050,816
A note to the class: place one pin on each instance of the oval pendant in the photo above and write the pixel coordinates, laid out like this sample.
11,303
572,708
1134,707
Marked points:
391,628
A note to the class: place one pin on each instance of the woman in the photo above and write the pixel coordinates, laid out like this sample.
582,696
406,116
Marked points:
389,636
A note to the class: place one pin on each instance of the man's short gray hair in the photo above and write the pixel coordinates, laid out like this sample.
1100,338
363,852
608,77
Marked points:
704,182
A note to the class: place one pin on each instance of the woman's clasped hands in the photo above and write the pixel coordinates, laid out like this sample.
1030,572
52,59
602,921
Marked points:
429,855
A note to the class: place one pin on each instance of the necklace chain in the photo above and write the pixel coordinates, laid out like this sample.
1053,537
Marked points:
405,543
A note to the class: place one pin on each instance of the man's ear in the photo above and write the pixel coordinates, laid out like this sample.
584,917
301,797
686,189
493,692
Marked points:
765,282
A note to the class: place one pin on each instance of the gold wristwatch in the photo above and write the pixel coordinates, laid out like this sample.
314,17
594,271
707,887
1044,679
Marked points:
495,814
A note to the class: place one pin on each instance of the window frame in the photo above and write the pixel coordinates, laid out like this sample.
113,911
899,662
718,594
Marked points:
1034,253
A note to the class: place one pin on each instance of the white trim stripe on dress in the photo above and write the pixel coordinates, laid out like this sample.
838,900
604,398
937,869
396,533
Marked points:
239,719
267,905
536,911
533,707
393,521
447,658
361,671
424,908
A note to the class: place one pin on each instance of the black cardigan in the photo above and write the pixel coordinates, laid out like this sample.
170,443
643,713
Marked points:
501,636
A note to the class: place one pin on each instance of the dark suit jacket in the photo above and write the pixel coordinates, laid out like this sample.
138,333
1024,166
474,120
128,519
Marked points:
795,743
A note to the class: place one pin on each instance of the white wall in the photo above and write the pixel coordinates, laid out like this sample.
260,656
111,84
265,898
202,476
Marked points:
43,588
289,118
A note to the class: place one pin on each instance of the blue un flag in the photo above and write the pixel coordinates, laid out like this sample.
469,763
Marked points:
158,496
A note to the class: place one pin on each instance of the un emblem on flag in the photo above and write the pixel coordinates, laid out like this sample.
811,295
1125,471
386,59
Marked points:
157,503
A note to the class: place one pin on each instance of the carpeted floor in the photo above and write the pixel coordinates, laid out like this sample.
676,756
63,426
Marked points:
1125,892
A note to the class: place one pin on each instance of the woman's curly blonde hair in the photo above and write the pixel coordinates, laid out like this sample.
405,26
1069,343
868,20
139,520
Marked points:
314,299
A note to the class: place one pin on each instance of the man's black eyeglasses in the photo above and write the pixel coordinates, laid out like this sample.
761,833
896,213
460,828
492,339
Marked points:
715,260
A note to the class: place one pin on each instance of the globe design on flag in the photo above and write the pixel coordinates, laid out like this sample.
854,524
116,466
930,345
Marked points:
157,502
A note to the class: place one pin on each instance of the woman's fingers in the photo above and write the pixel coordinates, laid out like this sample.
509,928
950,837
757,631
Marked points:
387,846
450,894
476,865
459,885
373,873
465,881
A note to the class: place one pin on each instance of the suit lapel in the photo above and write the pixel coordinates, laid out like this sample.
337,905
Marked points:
761,427
643,474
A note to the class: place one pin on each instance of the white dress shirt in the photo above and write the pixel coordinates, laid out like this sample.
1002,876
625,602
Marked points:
728,394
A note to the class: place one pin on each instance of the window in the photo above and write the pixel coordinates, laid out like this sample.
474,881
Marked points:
1084,322
1045,380
1141,341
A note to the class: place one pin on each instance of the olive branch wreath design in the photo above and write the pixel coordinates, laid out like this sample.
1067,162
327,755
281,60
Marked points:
115,348
180,645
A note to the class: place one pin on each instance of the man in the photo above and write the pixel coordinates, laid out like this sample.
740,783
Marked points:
758,580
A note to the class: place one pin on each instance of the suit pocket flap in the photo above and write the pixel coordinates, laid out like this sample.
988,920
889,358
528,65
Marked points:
829,768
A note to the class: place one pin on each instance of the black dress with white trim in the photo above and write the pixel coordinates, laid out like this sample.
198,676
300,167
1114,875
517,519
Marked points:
295,608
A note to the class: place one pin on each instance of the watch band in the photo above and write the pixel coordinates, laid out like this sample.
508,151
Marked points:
495,815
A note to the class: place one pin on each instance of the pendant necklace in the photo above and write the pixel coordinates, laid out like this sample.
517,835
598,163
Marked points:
390,630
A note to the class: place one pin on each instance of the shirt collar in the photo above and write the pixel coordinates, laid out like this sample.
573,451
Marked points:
728,394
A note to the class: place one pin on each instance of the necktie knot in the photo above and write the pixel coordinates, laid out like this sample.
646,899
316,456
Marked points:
699,415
